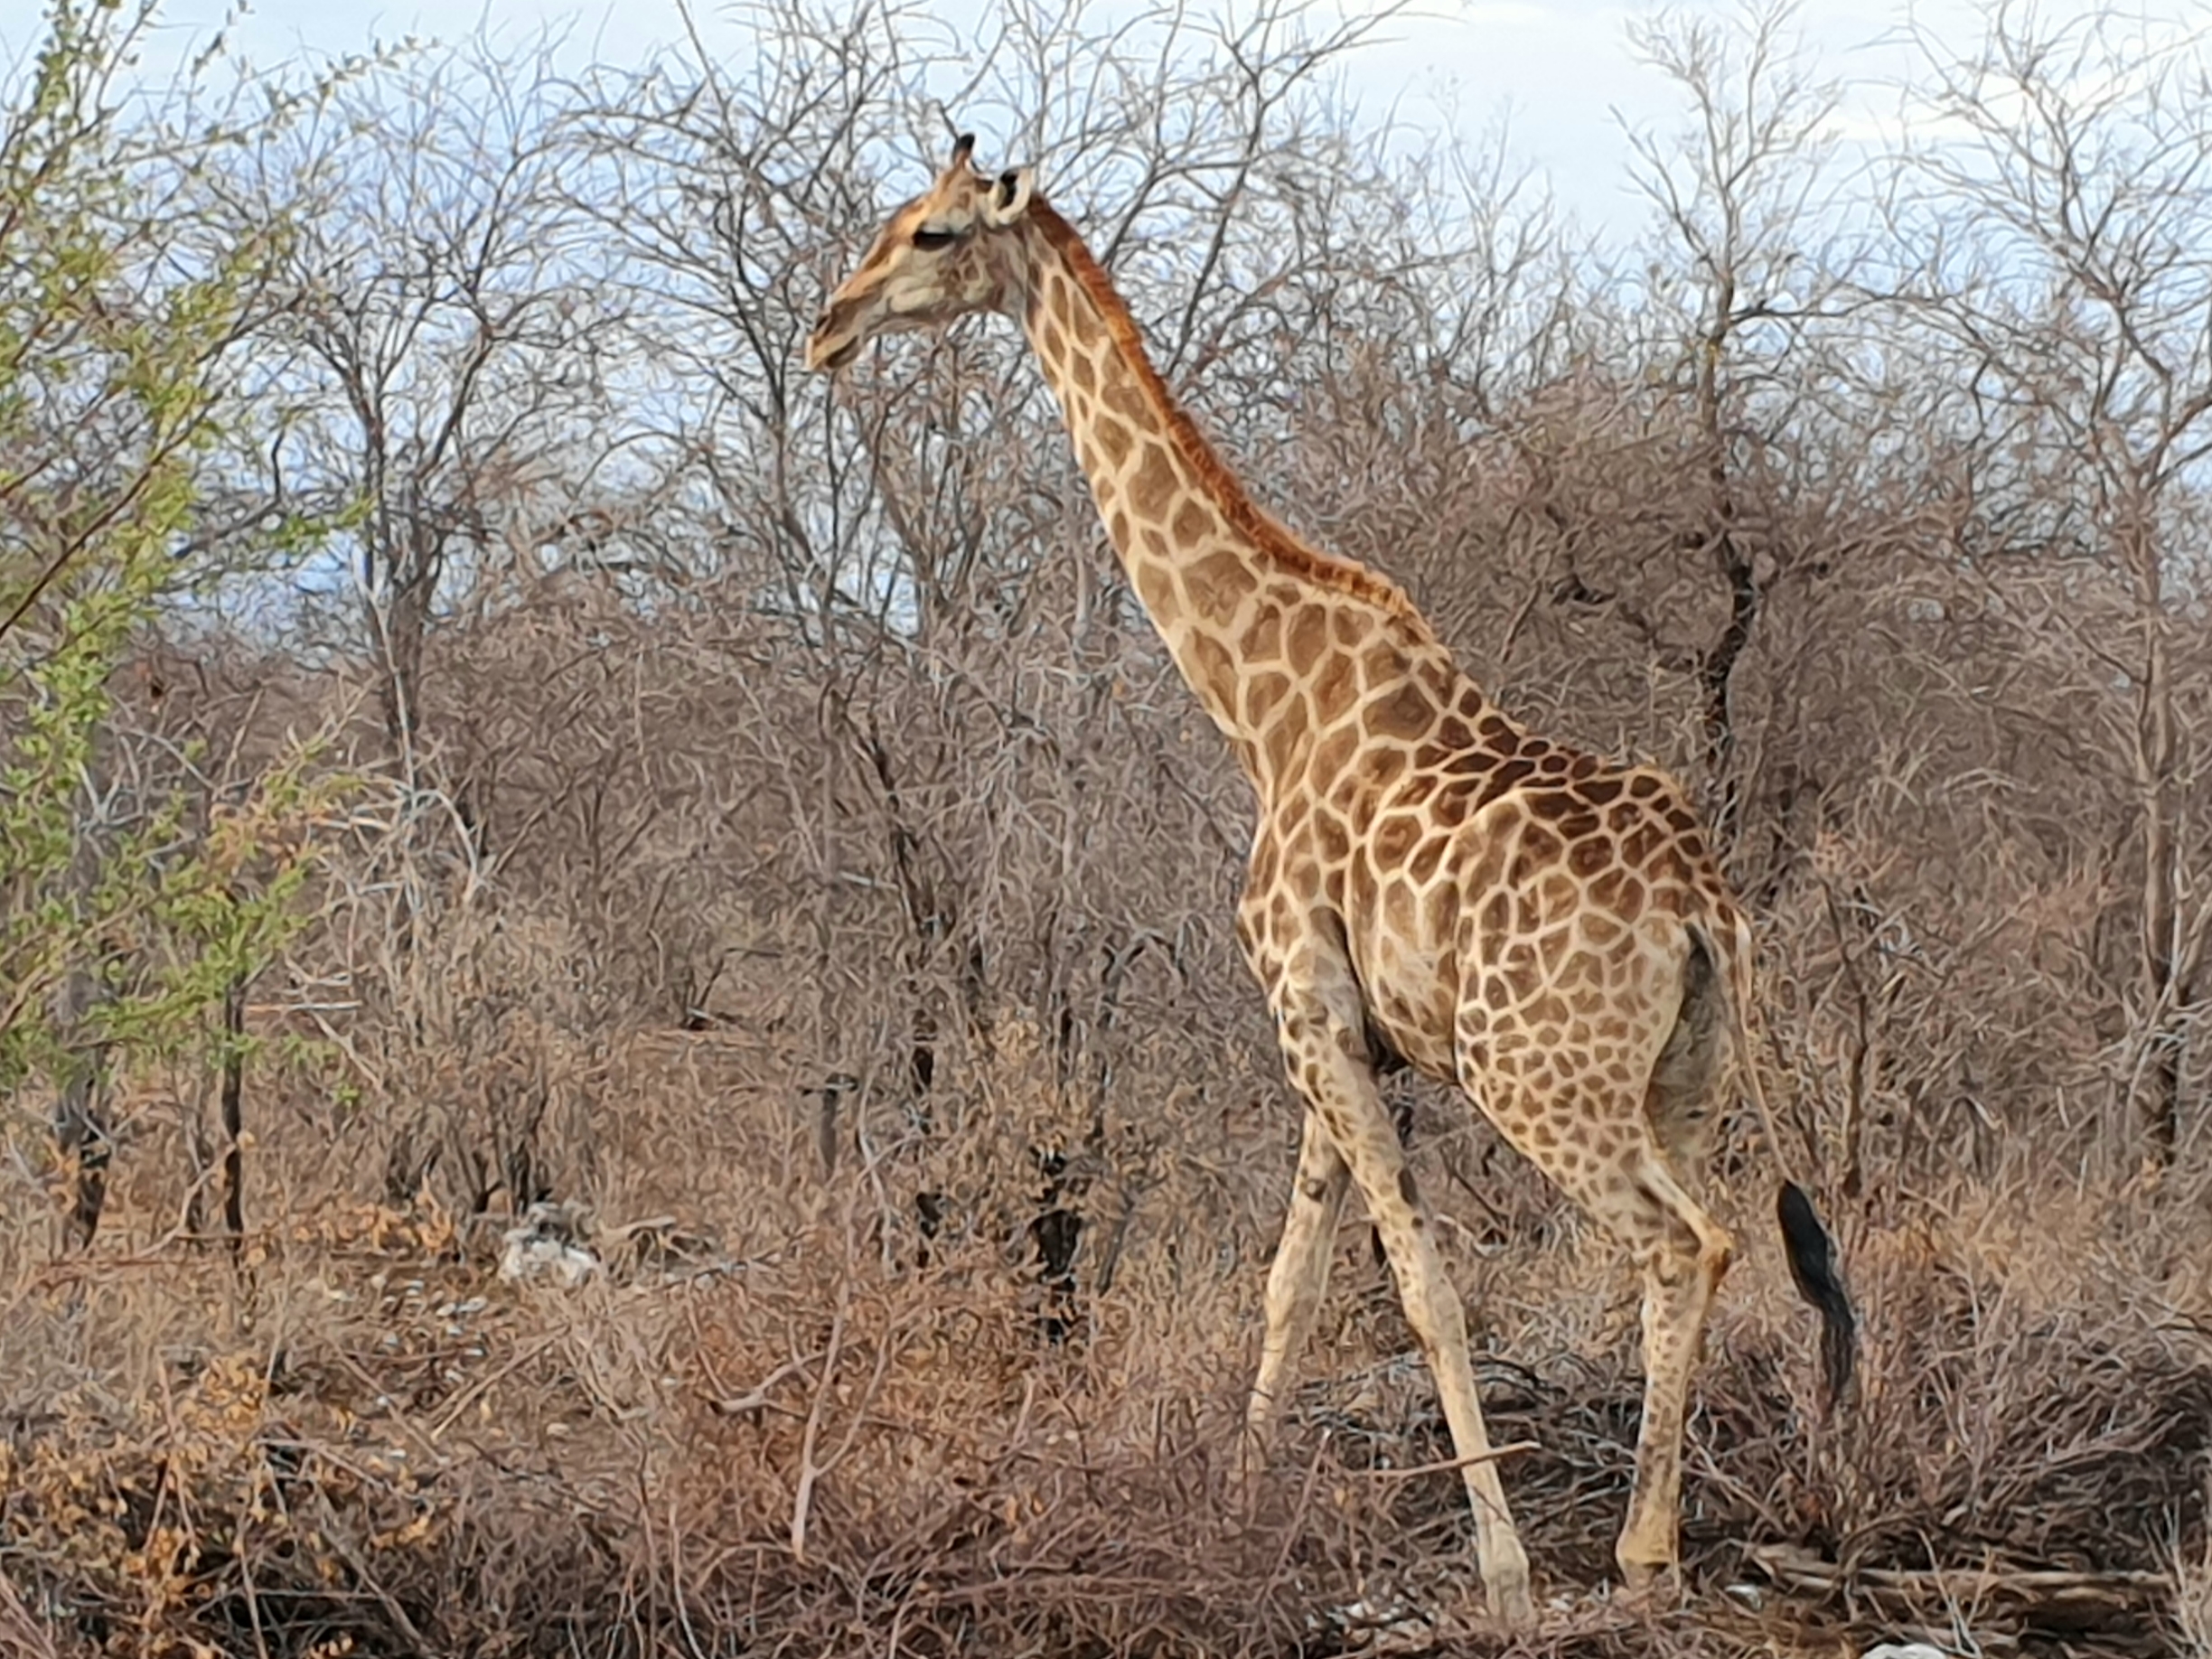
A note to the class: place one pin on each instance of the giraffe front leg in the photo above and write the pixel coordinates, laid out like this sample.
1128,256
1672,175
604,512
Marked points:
1298,1280
1325,1051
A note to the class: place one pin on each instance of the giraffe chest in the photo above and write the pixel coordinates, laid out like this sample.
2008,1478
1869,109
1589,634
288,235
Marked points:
1316,886
1401,934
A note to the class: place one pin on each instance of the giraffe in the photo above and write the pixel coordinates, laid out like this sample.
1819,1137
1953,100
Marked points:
1430,882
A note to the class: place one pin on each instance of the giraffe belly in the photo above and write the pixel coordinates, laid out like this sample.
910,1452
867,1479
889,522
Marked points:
1571,966
1485,946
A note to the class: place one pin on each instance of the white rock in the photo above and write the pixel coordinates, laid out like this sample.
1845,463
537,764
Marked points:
546,1246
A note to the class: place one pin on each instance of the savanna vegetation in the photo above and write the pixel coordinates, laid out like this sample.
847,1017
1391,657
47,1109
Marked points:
495,759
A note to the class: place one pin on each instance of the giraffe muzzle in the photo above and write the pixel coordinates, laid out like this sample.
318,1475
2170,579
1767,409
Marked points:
830,346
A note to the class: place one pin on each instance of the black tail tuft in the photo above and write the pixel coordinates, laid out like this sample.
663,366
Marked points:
1812,1258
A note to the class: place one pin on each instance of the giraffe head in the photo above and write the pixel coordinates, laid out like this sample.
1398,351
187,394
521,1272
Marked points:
943,255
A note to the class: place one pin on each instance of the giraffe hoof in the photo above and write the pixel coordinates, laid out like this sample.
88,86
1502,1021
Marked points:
1248,1472
1513,1604
1651,1584
1505,1586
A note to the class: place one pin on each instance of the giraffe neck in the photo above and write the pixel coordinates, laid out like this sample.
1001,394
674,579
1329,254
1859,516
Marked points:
1252,614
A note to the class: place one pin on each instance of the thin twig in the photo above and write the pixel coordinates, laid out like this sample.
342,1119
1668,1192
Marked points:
1449,1464
809,1471
739,1405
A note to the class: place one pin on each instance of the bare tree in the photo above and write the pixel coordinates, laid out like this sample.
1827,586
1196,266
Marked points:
2064,198
1735,277
438,359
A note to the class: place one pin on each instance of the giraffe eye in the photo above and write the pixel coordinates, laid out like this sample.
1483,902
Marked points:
929,240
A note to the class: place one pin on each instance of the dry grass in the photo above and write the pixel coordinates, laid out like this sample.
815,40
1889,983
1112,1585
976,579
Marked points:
359,1440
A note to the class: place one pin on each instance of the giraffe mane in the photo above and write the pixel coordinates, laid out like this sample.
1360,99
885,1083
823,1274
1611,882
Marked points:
1295,556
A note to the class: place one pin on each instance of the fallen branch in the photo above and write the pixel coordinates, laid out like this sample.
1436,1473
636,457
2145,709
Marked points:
808,1470
2061,1595
484,1385
1449,1464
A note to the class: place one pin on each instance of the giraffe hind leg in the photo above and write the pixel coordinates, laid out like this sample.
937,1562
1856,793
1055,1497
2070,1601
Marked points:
1598,1140
1684,1256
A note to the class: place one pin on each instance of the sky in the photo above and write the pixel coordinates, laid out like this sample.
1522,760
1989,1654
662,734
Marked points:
1562,76
1556,71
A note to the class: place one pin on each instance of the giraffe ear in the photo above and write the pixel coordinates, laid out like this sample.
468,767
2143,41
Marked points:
1009,196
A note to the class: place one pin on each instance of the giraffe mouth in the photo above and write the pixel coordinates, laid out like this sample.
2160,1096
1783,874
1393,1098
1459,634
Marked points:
826,353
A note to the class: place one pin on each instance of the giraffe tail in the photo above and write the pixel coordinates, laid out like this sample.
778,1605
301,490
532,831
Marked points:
1813,1262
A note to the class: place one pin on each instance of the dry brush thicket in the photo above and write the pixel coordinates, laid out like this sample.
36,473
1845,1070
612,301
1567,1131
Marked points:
765,819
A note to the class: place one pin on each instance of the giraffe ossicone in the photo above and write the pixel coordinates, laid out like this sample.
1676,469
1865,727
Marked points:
1428,882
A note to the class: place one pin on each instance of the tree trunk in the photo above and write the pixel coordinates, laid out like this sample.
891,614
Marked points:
2159,980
